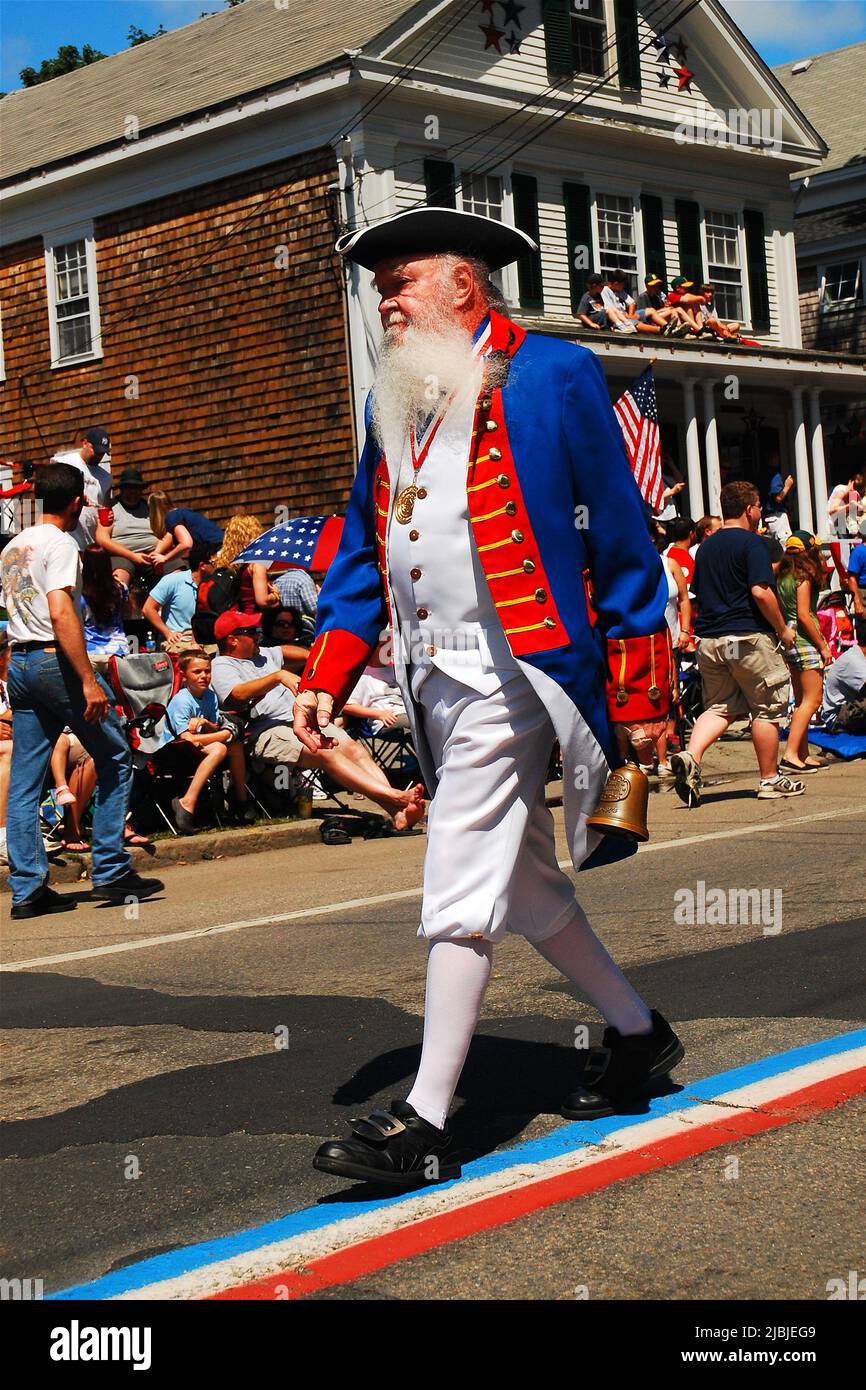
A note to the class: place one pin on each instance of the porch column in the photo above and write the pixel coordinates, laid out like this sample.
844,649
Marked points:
711,448
819,465
801,460
693,450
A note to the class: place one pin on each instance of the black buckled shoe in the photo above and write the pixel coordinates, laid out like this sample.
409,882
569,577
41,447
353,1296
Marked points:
623,1070
394,1148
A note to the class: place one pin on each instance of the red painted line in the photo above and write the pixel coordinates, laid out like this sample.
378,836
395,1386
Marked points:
344,1266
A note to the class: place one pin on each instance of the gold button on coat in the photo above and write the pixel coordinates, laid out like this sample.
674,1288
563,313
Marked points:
529,566
517,537
550,622
503,480
541,596
496,454
511,509
491,425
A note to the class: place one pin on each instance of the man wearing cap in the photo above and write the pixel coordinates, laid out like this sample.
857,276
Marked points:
689,305
495,523
257,681
89,458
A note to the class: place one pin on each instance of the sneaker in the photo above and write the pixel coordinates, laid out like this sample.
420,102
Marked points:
4,853
63,796
129,885
628,327
623,1070
666,772
687,778
770,788
395,1148
41,903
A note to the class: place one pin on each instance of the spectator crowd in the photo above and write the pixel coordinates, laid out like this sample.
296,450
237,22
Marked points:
767,625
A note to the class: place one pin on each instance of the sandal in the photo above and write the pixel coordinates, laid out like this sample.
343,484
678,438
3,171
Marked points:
334,834
132,837
75,846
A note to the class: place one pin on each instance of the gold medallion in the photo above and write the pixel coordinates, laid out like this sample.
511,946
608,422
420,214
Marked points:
654,692
621,697
405,504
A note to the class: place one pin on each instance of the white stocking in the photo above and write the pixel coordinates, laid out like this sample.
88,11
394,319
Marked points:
458,969
577,952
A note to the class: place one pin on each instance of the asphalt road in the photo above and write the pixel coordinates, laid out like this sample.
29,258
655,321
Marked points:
157,1095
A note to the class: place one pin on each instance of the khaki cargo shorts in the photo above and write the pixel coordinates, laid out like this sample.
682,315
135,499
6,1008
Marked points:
278,744
743,674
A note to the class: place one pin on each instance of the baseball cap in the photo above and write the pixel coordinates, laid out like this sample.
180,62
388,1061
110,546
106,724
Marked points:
802,540
231,620
131,477
652,280
680,282
99,440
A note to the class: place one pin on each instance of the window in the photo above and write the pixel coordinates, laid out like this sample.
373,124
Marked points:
616,241
72,300
588,37
841,286
482,194
723,263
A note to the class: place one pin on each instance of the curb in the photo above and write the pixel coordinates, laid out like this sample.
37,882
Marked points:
190,849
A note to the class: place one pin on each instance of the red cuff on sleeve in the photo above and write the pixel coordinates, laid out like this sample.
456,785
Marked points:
336,661
639,677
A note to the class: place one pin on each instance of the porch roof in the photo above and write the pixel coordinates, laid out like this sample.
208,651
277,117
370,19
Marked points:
673,359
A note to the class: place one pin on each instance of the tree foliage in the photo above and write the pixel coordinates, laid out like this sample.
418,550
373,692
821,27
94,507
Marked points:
67,60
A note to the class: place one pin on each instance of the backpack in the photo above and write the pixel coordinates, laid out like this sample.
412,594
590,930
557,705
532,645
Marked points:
215,595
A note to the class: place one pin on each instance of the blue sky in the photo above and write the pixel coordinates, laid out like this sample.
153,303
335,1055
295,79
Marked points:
31,30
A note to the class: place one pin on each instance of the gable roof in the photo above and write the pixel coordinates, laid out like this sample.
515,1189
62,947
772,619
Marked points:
829,88
215,60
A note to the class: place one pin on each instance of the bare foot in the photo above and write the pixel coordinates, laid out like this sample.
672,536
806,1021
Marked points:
412,811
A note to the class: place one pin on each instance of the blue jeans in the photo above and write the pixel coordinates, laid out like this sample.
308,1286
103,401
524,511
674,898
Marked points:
45,695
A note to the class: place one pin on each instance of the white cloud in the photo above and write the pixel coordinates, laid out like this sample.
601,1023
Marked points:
814,26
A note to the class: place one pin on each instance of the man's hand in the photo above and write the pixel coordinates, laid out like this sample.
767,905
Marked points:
313,711
95,701
291,680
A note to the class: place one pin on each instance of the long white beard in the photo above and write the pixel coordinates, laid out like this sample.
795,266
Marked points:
418,371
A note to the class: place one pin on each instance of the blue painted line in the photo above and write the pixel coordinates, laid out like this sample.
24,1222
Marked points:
567,1139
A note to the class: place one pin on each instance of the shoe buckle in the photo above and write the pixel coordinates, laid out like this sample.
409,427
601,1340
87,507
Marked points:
386,1124
596,1065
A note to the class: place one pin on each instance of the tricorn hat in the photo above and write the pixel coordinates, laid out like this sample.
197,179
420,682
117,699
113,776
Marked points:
436,231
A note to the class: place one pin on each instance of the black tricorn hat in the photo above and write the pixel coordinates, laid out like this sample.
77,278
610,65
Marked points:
436,231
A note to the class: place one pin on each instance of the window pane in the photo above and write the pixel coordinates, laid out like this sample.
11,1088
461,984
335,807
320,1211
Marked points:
74,335
482,194
616,232
71,270
842,283
729,293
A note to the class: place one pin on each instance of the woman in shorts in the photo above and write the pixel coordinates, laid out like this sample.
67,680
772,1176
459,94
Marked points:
801,578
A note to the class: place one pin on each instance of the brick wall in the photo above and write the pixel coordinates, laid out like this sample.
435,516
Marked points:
243,383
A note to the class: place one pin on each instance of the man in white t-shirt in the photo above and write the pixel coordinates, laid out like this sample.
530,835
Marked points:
53,686
89,458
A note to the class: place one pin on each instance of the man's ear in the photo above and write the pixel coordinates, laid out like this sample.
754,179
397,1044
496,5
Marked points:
464,284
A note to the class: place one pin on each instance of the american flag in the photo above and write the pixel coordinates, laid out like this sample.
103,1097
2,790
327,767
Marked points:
638,416
304,543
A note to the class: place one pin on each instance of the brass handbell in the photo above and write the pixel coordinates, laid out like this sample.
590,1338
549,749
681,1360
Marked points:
622,806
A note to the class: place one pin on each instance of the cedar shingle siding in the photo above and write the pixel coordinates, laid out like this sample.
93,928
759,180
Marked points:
244,397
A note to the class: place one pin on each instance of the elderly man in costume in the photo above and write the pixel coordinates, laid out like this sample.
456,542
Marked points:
495,525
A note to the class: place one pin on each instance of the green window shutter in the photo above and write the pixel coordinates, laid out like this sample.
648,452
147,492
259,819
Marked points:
578,232
653,234
439,182
756,258
557,37
627,45
524,189
689,239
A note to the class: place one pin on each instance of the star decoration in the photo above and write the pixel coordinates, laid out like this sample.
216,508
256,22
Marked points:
664,78
513,41
493,35
662,46
684,79
681,48
487,6
511,14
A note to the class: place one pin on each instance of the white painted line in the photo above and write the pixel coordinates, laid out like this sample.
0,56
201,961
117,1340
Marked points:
327,909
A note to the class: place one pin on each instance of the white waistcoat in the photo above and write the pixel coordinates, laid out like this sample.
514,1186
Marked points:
442,604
